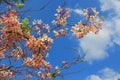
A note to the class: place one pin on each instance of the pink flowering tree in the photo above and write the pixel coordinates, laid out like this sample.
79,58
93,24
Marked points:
18,43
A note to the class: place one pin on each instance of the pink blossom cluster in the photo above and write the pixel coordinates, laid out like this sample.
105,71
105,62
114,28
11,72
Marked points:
10,22
40,26
33,50
39,62
11,31
61,32
36,62
5,73
39,43
2,54
61,17
11,27
17,53
90,24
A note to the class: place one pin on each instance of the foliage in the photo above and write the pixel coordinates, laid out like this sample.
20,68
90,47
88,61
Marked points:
19,5
25,26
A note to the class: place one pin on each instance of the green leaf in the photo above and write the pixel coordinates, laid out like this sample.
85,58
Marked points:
22,1
19,5
58,71
25,22
53,75
25,26
118,78
26,30
102,17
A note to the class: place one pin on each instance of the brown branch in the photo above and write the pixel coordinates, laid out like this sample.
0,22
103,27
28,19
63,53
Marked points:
7,2
41,8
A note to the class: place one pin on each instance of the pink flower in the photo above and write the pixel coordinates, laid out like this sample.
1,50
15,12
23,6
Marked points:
36,28
56,34
59,9
39,21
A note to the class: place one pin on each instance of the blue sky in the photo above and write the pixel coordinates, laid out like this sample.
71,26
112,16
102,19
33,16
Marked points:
103,54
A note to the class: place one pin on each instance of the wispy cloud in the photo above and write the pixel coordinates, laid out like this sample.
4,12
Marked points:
110,5
77,11
105,74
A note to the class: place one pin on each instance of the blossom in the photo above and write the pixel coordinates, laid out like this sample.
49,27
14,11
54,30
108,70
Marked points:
56,34
47,26
39,74
36,28
54,22
92,18
39,21
45,37
36,47
6,73
89,24
85,14
57,69
17,53
2,53
63,31
61,17
34,22
62,21
99,23
94,10
59,9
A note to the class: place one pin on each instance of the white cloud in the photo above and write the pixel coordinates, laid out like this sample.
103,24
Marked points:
77,11
93,77
105,74
116,26
110,4
97,45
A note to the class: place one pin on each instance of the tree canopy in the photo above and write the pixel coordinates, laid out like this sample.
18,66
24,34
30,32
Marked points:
28,43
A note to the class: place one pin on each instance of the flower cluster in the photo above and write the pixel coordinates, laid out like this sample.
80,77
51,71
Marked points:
61,32
39,43
40,27
19,38
90,13
39,62
17,53
5,72
2,54
39,47
61,17
10,29
89,24
57,70
11,25
11,33
36,62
